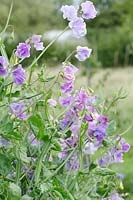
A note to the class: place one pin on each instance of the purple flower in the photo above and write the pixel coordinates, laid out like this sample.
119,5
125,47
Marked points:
125,146
81,97
65,101
115,196
39,46
34,141
23,50
88,118
69,12
120,176
3,65
100,133
36,41
4,142
19,75
89,11
73,164
78,27
18,109
104,161
67,87
69,72
52,102
118,156
83,53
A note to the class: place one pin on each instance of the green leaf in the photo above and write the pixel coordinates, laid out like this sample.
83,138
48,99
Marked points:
14,192
14,94
37,126
56,145
6,127
102,190
105,172
5,165
49,79
92,166
21,154
26,197
14,135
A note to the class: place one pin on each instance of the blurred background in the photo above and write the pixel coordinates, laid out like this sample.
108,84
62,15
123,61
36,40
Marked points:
108,70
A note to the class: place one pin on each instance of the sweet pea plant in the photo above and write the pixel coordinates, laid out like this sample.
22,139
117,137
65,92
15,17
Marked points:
55,143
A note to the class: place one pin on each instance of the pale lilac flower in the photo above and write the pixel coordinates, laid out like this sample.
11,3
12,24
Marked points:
118,156
81,97
52,102
115,196
83,53
33,140
67,87
19,75
23,50
69,12
69,72
36,40
65,101
78,27
73,163
50,159
125,146
103,162
4,142
39,46
120,176
18,109
3,65
89,11
90,148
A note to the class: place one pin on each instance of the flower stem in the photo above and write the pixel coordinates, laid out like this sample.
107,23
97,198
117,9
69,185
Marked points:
42,157
18,170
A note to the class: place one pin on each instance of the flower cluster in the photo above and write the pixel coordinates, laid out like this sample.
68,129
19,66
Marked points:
76,20
83,113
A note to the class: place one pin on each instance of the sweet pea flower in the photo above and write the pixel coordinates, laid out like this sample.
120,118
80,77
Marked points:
69,72
36,40
78,27
89,11
90,148
67,87
65,101
115,196
19,75
18,109
23,50
125,146
52,102
83,53
69,12
4,142
3,65
34,141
